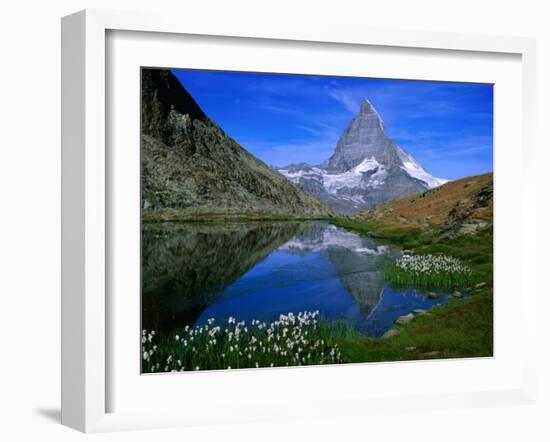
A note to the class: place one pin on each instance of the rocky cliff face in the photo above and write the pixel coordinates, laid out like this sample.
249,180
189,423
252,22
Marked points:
366,169
363,138
191,168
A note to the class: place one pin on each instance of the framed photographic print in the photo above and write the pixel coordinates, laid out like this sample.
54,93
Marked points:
250,210
345,237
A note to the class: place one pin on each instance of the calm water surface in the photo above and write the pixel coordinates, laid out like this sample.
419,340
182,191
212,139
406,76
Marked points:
192,272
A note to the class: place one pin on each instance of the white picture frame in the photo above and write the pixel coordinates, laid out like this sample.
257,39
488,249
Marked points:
86,209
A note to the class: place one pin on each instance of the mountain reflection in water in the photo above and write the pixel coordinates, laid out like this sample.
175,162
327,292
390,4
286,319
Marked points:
192,272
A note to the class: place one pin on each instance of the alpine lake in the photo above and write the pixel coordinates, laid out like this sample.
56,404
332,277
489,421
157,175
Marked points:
195,272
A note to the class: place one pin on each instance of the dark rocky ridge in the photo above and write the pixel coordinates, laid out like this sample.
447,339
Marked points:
191,168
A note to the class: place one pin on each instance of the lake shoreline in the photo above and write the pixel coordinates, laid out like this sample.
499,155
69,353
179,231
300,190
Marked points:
426,336
177,217
463,328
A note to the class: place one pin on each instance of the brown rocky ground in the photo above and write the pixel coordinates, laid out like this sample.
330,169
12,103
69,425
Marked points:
458,207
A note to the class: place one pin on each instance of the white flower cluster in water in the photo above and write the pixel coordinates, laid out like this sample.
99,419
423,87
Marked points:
288,341
431,264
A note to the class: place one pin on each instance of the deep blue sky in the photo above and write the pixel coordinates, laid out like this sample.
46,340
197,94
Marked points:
284,119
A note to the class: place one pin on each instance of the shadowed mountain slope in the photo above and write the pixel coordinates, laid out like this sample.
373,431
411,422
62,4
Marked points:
191,168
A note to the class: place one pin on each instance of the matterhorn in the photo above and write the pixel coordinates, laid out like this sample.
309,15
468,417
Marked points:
367,168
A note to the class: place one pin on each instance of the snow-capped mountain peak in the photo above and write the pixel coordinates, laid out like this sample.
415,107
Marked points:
366,169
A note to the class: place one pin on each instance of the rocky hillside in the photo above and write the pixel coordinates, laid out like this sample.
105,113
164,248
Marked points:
366,169
192,169
458,207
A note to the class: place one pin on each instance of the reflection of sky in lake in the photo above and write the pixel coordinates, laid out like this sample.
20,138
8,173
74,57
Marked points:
323,268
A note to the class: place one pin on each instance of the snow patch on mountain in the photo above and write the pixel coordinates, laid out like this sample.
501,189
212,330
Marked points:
353,178
420,174
335,182
414,169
